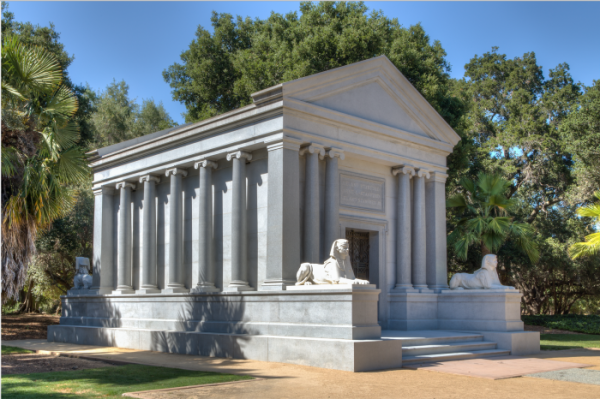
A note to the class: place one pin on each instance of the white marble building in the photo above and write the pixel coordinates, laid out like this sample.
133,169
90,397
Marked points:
226,209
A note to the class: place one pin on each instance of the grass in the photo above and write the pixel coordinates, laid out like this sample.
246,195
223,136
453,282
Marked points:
586,324
108,382
550,342
9,350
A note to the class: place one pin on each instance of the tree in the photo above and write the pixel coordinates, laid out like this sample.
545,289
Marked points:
48,38
514,116
118,118
219,71
556,282
39,153
484,221
581,132
591,245
52,269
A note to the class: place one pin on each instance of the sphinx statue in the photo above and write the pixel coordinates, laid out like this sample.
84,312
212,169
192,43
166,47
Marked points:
83,279
484,278
336,270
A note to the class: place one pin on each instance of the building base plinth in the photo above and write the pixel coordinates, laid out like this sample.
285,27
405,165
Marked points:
338,354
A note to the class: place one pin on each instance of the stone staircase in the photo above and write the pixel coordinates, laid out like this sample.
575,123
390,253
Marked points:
435,346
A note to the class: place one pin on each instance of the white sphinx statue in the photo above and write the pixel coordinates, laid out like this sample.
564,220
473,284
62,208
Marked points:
82,279
336,270
484,278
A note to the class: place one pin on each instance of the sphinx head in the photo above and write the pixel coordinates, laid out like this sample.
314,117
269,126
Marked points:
82,265
339,249
489,262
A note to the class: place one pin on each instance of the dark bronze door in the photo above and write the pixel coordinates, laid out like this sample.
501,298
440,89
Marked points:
359,253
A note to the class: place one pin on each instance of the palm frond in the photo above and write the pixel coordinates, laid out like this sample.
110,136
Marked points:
590,247
61,106
10,158
456,201
67,135
499,225
71,167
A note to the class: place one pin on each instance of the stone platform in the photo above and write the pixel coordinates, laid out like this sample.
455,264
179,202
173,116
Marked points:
329,328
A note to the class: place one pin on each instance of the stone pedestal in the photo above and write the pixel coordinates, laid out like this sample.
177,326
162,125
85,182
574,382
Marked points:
413,311
322,326
480,310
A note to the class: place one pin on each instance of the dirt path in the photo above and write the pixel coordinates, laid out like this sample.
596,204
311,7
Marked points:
25,363
27,326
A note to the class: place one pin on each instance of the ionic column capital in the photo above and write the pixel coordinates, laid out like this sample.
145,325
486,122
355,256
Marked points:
205,163
125,184
176,171
423,173
404,169
336,152
314,148
149,178
239,155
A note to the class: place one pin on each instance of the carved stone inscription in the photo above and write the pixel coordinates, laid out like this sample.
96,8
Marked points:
362,192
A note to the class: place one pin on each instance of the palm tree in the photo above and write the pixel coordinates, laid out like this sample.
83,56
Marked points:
39,154
591,245
485,219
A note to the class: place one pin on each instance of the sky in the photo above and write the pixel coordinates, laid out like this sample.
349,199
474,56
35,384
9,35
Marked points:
137,41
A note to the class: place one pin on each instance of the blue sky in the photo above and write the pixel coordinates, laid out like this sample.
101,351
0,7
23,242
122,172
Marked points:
136,41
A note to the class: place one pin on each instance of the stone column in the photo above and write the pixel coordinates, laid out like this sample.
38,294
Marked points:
437,266
239,256
419,237
176,270
206,271
148,283
312,226
124,240
103,265
283,215
403,229
332,197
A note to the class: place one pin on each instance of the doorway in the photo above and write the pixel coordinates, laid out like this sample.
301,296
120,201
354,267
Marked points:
359,252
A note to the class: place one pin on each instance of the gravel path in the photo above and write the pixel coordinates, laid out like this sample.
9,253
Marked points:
572,375
25,363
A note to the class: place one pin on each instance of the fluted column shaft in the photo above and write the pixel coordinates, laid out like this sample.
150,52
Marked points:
312,225
176,282
124,240
332,197
148,283
239,256
403,229
419,237
206,272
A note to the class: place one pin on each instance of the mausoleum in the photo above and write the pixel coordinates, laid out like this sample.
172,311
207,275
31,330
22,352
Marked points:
200,232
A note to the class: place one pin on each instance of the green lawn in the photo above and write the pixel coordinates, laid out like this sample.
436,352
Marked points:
587,324
568,341
7,350
108,382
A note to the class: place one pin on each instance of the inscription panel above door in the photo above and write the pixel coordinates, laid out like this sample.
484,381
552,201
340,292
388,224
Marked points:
362,192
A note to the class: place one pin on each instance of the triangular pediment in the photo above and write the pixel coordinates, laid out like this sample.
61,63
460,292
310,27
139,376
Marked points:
374,91
371,101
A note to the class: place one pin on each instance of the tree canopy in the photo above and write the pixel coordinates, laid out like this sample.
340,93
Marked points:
219,71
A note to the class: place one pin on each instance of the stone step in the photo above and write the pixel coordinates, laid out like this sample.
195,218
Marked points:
430,337
441,357
447,348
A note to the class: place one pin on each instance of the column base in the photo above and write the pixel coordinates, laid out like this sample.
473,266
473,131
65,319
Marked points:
423,289
403,288
143,291
239,288
123,291
438,288
101,290
175,290
204,289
